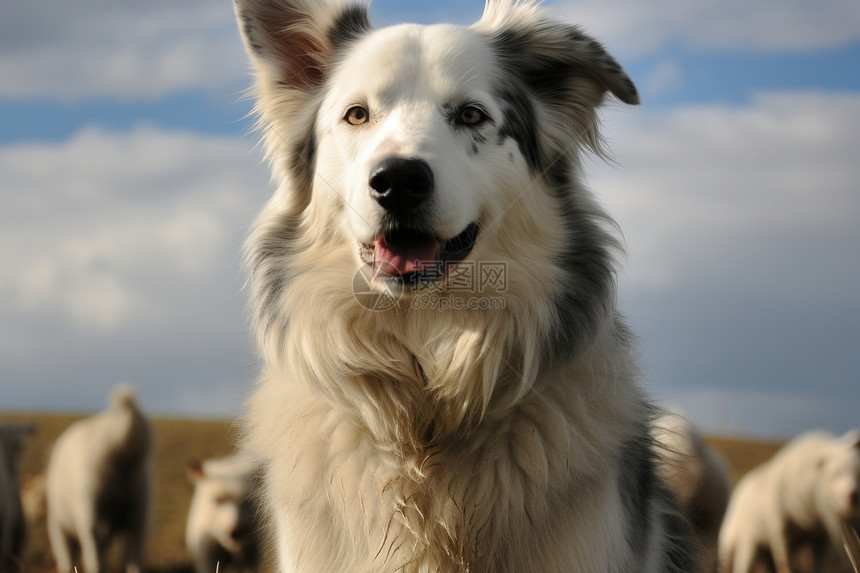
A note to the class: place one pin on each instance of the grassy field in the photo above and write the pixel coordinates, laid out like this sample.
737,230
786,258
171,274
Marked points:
176,440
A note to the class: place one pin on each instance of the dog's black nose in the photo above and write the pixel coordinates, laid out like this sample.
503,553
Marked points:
401,183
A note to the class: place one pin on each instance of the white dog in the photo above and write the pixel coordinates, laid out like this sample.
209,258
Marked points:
447,384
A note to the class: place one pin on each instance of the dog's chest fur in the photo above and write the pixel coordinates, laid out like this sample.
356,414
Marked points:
482,499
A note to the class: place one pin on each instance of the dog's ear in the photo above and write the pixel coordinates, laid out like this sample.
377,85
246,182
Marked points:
292,42
563,67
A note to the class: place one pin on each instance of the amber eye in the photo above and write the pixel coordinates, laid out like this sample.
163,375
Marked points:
471,115
356,115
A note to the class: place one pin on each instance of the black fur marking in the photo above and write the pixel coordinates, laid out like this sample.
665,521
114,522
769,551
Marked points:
479,138
589,269
519,122
587,260
587,264
638,485
641,490
631,87
551,76
351,25
546,76
267,262
593,45
681,544
558,173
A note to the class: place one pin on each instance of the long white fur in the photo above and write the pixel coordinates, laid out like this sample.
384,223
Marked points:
414,439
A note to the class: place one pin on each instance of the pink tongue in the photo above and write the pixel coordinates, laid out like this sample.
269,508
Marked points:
405,259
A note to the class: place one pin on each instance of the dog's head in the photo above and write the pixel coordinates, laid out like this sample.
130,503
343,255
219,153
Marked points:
410,154
420,139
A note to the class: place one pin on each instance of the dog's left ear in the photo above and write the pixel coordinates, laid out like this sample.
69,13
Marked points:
566,69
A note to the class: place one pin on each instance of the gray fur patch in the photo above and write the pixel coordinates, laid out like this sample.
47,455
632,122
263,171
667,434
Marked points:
519,123
350,25
249,31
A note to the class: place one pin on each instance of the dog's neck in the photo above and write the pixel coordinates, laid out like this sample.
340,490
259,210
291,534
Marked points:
418,371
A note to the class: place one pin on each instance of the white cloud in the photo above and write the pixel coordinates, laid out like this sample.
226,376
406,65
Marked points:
121,260
742,225
69,51
665,78
721,25
742,184
91,223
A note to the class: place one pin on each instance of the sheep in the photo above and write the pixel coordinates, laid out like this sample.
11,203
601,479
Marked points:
98,485
12,522
803,494
222,528
699,478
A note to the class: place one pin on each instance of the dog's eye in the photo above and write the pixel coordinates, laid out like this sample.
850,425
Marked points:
471,115
356,115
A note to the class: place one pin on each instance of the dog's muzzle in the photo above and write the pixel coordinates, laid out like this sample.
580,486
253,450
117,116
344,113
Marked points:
406,248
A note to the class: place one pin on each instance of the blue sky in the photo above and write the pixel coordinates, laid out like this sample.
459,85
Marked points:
128,180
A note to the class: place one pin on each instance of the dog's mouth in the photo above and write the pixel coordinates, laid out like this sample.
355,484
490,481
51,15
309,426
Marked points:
414,256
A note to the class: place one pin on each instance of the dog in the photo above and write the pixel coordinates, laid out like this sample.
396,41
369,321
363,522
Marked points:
446,384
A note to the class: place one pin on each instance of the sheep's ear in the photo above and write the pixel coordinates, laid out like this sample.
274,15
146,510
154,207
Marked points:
193,469
293,41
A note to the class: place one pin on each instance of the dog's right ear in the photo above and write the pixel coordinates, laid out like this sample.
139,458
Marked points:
292,42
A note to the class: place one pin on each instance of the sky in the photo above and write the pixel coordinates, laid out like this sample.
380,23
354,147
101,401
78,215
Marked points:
129,178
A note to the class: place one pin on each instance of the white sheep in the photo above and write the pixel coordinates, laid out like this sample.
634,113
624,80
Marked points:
699,478
802,494
98,485
12,523
223,526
